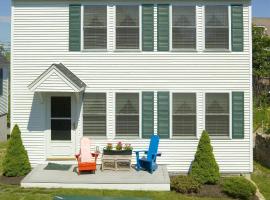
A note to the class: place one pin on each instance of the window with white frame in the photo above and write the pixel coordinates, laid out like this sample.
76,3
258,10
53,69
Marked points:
184,114
127,27
127,114
94,114
216,27
217,115
183,27
95,27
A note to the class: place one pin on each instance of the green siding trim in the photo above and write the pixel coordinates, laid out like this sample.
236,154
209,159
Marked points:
163,36
147,27
237,28
164,114
147,114
74,27
238,115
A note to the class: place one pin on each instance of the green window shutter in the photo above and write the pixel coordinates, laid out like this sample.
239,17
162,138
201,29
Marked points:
164,114
147,27
238,115
163,27
237,28
74,27
147,114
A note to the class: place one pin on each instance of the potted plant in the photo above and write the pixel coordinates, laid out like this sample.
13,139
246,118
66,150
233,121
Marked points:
119,149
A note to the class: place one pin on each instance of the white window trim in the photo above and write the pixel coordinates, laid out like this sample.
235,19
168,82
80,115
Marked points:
139,136
229,27
171,117
82,28
228,137
171,28
140,27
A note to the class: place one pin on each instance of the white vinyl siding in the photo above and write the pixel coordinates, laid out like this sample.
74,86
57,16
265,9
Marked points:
183,27
94,114
95,26
217,115
127,27
216,27
184,114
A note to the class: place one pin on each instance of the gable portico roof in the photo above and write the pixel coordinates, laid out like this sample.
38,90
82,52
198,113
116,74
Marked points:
57,78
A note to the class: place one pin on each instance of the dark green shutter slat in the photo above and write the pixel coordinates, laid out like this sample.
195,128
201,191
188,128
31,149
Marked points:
74,27
147,27
238,115
164,114
147,114
163,27
1,81
237,28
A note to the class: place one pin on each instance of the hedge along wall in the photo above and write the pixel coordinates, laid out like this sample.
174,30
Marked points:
262,149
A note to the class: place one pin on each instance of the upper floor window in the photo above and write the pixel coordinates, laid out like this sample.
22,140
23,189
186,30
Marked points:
95,27
216,27
183,27
127,27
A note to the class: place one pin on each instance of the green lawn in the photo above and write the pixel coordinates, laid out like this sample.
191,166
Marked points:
261,177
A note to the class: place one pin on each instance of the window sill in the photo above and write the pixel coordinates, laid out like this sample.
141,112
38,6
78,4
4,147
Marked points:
184,138
127,50
217,50
184,50
220,137
94,50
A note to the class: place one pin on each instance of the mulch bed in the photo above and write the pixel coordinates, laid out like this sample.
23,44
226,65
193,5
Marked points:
11,180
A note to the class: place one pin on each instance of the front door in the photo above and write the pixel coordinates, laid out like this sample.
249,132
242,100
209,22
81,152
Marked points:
61,140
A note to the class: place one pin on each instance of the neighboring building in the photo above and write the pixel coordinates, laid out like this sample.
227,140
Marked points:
4,74
121,71
262,22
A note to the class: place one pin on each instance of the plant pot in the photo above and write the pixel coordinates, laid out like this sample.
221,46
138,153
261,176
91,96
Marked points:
116,152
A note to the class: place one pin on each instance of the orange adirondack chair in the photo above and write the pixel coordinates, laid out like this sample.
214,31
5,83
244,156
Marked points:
86,159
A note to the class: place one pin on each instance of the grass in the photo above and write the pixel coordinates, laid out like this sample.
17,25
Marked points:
261,177
259,115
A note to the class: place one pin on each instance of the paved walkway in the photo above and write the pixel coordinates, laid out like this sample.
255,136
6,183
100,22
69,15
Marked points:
122,180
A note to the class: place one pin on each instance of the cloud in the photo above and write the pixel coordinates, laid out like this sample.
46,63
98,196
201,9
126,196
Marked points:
5,19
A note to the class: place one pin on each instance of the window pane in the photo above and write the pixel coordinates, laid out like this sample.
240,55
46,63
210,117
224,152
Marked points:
216,27
184,16
94,114
127,27
95,27
184,125
217,103
217,125
184,103
60,107
184,38
127,125
60,129
127,103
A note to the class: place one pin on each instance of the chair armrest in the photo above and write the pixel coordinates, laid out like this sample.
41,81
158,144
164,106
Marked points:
138,151
158,153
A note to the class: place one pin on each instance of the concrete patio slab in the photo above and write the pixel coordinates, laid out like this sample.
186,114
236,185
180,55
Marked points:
116,180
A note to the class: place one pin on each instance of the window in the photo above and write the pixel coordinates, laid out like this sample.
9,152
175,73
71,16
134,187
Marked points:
60,118
127,27
184,27
127,114
1,81
217,114
95,27
216,27
94,114
184,114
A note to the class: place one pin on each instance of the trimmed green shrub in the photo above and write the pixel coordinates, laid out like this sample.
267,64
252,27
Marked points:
185,184
238,187
16,162
204,168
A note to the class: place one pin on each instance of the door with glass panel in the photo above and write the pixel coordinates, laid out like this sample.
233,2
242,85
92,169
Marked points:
61,139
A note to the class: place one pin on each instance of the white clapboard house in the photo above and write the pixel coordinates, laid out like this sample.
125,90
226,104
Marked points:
122,70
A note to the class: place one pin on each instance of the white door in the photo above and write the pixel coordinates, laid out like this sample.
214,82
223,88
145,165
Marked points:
61,134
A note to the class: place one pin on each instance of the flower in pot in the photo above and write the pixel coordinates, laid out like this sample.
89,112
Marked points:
119,146
128,147
109,147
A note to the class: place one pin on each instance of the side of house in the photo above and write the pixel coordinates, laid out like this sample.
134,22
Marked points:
118,71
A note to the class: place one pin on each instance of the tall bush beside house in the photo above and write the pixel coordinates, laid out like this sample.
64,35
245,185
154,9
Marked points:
204,167
16,161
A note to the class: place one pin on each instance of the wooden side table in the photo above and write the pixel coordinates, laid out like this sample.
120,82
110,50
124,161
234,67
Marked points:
116,162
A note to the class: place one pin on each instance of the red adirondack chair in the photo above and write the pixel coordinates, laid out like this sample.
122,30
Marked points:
86,159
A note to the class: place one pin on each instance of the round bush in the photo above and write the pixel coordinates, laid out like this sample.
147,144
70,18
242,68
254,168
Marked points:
238,187
185,184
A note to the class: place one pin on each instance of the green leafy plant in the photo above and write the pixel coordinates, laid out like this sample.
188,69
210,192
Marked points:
16,161
238,187
109,147
185,184
128,147
119,146
204,167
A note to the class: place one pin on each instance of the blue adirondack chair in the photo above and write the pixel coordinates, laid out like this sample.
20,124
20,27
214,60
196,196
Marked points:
149,162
